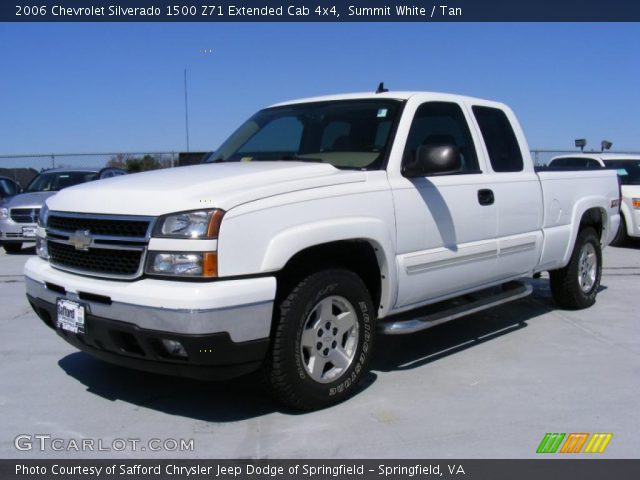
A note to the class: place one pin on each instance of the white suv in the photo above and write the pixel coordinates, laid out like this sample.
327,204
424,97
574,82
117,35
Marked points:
628,168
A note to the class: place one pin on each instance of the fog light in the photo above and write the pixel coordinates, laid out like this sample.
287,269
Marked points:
174,348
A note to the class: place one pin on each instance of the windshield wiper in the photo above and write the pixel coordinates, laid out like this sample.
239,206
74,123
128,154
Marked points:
269,158
301,159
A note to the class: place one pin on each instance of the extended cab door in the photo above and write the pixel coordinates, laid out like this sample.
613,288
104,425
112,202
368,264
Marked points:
517,191
446,224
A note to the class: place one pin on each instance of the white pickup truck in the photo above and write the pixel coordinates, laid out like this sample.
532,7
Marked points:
318,223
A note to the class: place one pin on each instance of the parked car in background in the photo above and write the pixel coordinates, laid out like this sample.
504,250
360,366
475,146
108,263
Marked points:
628,168
19,213
8,187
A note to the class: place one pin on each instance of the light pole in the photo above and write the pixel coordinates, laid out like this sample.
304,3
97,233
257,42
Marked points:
186,108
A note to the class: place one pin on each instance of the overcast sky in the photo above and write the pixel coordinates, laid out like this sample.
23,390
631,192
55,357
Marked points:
119,87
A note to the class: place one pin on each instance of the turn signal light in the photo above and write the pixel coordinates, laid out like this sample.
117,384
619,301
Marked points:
210,265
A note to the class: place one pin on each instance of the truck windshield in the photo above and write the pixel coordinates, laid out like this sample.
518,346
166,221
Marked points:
628,170
350,134
54,181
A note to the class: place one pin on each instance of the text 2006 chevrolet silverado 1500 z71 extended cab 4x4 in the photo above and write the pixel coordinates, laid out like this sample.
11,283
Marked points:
319,222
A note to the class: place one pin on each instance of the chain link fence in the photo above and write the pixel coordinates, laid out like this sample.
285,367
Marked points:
22,168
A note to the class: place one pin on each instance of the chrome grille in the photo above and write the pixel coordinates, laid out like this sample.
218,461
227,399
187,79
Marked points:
121,263
25,215
115,228
111,246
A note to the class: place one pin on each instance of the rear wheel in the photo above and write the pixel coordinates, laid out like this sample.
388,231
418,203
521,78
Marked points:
12,247
576,285
322,341
621,236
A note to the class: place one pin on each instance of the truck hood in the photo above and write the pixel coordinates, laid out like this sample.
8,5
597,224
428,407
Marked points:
27,200
216,185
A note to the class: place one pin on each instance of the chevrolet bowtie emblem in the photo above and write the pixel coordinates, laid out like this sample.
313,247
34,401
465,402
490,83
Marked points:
81,240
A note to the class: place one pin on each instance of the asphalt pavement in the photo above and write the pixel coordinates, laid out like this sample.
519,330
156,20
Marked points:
486,386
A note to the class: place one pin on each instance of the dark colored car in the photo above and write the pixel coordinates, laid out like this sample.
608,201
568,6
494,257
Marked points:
9,187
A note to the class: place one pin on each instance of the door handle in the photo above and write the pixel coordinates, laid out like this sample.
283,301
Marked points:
485,197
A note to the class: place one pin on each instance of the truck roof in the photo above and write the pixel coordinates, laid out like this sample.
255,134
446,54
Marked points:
389,95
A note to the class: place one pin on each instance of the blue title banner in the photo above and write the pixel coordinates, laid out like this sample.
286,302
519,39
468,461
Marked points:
319,11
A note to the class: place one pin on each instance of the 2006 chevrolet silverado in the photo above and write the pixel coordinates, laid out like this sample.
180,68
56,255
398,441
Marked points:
318,223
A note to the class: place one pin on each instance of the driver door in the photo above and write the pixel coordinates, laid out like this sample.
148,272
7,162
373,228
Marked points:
446,224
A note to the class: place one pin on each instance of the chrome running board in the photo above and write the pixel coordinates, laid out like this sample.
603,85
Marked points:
432,315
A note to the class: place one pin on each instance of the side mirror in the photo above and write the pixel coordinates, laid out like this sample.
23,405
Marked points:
434,160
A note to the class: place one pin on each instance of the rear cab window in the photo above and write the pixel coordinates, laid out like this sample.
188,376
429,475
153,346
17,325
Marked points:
499,138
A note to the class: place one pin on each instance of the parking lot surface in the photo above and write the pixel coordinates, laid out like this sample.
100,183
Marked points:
486,386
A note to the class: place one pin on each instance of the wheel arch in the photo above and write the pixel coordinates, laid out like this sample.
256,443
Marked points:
589,213
358,256
360,245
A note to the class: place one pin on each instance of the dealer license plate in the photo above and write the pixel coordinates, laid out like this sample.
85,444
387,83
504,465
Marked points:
70,316
29,232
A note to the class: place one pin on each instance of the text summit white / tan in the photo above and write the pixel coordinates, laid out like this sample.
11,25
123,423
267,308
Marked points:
318,223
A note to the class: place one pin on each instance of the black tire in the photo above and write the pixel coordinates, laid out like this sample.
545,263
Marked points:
12,247
621,237
566,286
286,368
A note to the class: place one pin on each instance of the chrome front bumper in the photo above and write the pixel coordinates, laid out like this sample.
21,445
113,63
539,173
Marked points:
11,231
241,308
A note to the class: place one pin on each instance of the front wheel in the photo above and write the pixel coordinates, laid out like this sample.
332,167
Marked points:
576,285
322,341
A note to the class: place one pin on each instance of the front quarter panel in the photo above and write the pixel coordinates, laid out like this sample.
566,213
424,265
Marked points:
262,236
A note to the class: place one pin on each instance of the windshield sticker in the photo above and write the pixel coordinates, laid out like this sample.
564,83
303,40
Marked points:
382,112
622,172
246,159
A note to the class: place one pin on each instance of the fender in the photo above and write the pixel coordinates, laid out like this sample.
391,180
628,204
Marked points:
581,206
287,243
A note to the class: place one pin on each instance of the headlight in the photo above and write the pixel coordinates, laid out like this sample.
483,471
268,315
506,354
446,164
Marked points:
199,224
183,264
4,213
43,216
